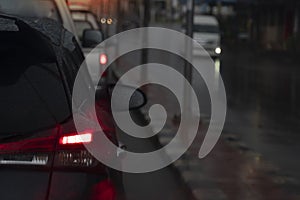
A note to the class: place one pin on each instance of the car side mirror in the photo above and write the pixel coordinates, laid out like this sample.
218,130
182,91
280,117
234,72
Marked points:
137,100
91,38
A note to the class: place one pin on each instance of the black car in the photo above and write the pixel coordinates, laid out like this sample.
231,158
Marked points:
40,157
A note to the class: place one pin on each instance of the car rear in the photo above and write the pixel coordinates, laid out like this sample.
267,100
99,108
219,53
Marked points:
42,155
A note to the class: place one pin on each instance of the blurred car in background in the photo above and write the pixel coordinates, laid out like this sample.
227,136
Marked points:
86,24
89,37
207,34
83,20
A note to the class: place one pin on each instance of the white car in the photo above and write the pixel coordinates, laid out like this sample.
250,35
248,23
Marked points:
207,34
85,20
59,11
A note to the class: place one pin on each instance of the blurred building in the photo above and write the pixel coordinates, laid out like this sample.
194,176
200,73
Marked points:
276,23
164,10
272,24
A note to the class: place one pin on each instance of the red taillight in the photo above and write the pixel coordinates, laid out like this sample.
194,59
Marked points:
71,151
103,59
76,139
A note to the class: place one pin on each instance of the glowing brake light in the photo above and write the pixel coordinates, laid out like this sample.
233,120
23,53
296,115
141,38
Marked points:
76,139
103,59
72,153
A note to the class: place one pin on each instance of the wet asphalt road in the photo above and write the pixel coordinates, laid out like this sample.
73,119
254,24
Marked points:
263,89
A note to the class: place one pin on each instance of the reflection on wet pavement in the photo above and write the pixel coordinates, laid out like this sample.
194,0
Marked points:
263,112
256,157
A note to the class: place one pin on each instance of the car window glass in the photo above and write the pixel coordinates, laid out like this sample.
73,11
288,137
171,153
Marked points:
206,28
32,97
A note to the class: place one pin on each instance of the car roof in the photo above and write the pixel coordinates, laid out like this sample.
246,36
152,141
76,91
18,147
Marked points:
55,33
79,8
206,19
83,15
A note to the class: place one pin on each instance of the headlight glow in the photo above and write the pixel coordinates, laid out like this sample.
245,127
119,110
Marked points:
218,50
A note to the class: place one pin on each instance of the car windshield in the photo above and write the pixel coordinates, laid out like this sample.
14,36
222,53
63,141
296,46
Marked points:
30,8
206,28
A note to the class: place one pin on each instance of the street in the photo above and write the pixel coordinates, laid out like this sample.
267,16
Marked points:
256,156
263,112
149,100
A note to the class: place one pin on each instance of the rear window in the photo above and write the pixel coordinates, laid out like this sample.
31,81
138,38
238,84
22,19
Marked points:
30,8
31,91
81,26
206,28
